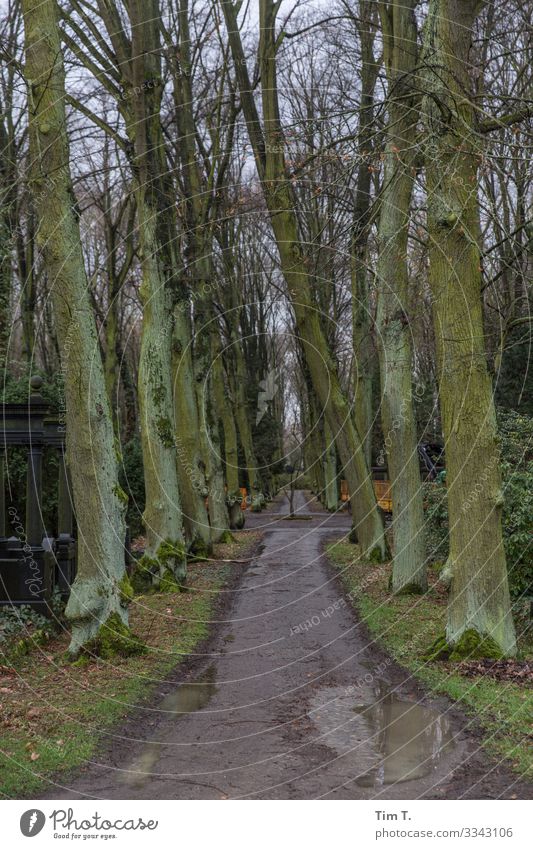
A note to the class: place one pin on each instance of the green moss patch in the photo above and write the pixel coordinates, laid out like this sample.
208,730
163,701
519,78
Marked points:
472,646
168,583
126,591
144,574
199,549
226,537
114,637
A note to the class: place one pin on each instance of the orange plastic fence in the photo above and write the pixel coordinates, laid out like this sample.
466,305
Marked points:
382,490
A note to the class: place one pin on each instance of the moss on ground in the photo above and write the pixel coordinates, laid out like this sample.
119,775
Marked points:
471,646
408,625
168,583
226,537
114,638
146,576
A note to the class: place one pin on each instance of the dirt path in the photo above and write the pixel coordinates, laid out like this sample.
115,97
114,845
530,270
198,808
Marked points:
292,701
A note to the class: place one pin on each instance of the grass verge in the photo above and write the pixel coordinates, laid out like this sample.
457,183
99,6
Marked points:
407,625
52,712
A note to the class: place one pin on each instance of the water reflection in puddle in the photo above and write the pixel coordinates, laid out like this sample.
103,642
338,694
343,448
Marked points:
187,698
390,740
192,696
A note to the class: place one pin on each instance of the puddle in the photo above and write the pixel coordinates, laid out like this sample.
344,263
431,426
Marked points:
390,740
187,698
191,696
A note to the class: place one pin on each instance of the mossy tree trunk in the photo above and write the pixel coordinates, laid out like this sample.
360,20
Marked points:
198,208
117,271
479,603
313,425
5,279
331,499
394,329
16,241
243,419
138,70
162,515
219,517
191,466
97,595
224,409
364,354
270,160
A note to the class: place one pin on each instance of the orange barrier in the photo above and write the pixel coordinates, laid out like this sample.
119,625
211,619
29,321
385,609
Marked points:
383,495
382,490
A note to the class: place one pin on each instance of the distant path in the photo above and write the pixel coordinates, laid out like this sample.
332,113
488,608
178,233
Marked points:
292,701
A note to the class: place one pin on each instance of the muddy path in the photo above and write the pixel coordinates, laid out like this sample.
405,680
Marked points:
292,699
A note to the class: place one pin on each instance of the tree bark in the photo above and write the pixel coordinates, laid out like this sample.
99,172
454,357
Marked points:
479,605
364,354
231,453
5,282
394,336
97,593
331,499
162,514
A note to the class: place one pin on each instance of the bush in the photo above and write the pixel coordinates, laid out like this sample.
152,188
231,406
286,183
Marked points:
436,515
132,482
516,441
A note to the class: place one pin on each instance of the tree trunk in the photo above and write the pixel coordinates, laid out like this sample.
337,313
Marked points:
191,466
217,501
5,283
479,613
270,160
111,361
194,352
395,351
331,499
97,596
364,354
231,452
242,416
162,515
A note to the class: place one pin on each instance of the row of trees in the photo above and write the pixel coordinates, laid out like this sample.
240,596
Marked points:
227,242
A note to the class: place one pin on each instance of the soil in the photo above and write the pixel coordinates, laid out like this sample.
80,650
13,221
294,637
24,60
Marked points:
292,699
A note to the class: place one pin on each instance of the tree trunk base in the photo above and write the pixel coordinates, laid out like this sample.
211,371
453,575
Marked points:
471,645
112,639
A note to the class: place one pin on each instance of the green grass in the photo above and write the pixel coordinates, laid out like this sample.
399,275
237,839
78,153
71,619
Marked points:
407,625
53,712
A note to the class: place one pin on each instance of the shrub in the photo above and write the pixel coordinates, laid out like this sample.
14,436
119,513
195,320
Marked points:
516,442
132,482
